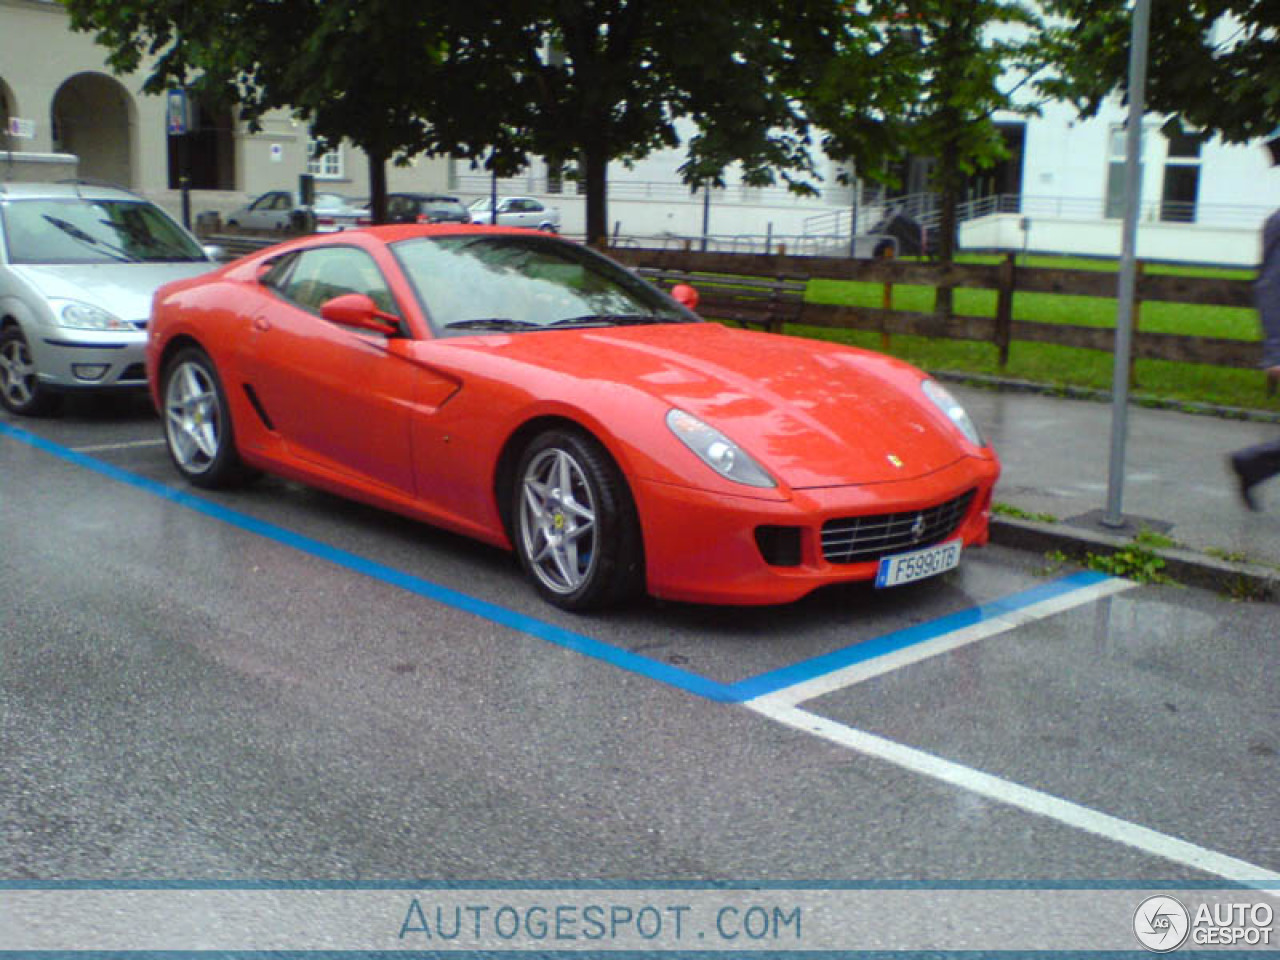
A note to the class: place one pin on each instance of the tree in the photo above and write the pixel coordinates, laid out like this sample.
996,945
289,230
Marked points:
926,78
1213,66
358,71
606,80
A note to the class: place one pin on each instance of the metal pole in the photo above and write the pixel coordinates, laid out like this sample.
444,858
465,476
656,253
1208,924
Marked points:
706,213
1141,29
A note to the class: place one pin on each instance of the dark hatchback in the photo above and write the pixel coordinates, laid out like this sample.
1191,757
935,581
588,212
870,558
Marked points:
425,208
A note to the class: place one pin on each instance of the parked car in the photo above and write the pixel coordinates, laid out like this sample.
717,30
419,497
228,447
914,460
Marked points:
524,390
276,210
425,208
78,267
517,212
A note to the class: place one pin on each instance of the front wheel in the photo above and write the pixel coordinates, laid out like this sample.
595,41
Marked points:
197,422
20,389
576,533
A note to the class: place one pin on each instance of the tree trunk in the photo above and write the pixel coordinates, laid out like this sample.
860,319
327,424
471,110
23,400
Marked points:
595,161
943,304
377,185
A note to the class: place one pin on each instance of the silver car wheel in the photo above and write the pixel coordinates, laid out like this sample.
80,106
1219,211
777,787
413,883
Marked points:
192,417
17,372
558,521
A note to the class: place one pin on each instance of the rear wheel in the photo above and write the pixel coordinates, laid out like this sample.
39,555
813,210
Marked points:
576,531
197,422
20,389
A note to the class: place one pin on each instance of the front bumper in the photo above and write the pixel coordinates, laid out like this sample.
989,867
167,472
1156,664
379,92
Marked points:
89,360
704,548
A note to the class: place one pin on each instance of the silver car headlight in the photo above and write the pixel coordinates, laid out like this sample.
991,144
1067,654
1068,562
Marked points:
85,316
717,451
949,405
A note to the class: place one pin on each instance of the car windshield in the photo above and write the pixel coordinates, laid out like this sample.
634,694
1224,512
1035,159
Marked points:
75,230
507,283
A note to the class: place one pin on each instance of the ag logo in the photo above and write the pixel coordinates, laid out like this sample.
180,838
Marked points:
1161,924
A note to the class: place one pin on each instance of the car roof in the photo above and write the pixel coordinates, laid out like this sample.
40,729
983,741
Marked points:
61,191
424,196
393,232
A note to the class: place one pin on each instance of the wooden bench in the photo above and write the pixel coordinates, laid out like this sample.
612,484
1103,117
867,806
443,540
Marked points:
767,302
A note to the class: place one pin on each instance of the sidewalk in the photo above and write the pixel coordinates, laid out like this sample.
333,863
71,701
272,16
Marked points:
1056,456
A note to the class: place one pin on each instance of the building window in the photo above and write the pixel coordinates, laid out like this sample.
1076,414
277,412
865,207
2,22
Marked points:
324,166
1181,179
1115,170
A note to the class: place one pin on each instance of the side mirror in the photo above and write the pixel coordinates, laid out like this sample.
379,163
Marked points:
685,295
358,310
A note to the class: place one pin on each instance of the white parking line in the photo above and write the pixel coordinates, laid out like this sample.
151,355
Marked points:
128,445
1033,801
826,683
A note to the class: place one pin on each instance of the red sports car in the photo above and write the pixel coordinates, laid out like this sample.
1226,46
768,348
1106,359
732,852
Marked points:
524,390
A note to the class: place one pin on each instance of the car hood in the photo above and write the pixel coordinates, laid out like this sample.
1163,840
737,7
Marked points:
124,289
815,414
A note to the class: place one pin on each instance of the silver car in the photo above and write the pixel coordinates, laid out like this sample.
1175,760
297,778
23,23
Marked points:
78,267
278,210
518,212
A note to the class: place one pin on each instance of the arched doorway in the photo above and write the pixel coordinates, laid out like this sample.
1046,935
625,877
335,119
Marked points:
209,146
92,117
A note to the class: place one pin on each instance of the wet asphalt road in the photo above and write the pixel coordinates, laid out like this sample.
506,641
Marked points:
185,695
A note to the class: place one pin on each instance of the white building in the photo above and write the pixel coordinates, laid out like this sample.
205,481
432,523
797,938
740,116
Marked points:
63,114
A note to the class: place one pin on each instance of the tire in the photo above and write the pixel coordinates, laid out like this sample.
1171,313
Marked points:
20,389
547,227
575,527
197,422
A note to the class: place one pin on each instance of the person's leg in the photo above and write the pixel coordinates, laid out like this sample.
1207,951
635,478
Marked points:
1254,465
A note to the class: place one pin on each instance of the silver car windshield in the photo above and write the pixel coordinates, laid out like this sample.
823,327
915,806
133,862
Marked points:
75,230
509,283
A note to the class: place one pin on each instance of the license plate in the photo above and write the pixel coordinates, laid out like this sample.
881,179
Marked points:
919,564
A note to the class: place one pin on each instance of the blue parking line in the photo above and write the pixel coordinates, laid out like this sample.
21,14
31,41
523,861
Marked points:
909,636
579,643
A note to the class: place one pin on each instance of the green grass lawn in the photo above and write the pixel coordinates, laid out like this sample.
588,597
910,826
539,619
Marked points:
1067,366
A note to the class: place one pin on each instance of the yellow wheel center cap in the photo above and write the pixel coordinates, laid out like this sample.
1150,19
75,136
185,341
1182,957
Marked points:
558,521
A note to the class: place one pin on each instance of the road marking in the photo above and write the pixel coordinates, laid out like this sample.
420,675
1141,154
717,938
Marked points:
1024,798
775,695
799,682
512,619
129,445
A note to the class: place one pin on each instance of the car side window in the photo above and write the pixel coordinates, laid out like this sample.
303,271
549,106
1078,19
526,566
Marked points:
322,273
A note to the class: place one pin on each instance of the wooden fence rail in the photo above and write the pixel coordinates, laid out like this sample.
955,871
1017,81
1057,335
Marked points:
1007,278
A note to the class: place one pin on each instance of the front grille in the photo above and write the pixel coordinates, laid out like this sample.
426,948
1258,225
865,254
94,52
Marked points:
863,539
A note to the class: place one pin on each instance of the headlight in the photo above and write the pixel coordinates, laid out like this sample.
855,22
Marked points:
85,316
949,405
717,451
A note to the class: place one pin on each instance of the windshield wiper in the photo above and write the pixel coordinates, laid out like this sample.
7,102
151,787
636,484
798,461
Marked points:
616,320
71,230
492,323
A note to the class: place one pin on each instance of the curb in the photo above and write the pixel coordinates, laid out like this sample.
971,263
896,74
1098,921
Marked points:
1245,580
986,381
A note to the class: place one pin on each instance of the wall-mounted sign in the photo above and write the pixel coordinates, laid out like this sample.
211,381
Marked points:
277,152
176,112
22,128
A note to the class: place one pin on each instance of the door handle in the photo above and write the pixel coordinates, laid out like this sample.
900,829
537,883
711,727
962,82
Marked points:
261,323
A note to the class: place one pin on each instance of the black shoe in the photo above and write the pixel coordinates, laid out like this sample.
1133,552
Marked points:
1246,485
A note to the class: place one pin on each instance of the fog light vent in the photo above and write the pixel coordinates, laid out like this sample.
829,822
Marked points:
780,546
